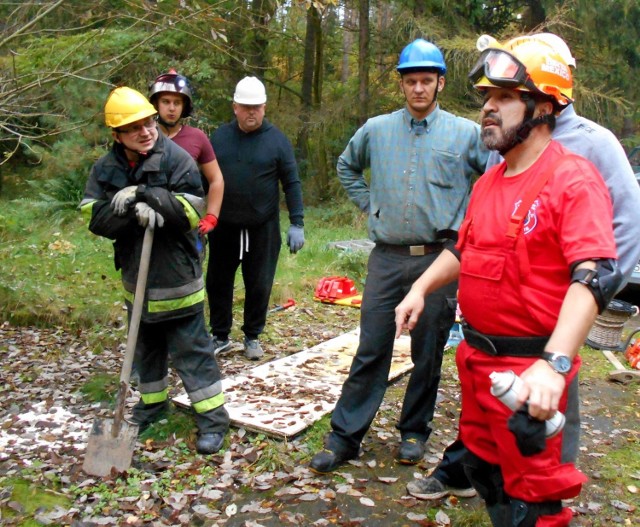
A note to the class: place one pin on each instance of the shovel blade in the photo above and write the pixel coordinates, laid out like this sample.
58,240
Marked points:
106,451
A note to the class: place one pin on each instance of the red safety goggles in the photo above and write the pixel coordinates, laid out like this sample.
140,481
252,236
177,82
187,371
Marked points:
501,68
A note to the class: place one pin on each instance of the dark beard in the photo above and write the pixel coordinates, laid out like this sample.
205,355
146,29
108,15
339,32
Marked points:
501,144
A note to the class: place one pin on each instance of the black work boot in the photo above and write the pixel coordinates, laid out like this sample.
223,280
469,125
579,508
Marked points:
411,451
327,460
209,443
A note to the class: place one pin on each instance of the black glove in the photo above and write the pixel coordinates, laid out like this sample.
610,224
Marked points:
531,434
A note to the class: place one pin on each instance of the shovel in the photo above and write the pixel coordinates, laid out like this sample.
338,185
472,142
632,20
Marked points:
112,441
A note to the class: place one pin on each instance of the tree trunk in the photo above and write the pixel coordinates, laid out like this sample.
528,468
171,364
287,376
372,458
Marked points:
308,70
319,59
261,13
534,16
349,24
363,61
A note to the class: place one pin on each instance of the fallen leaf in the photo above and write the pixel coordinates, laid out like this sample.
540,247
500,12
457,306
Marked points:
442,518
620,505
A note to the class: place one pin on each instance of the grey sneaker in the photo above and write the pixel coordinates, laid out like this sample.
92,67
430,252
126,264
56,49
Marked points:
432,489
220,345
252,349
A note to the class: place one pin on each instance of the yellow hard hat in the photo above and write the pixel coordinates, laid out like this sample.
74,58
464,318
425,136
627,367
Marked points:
124,106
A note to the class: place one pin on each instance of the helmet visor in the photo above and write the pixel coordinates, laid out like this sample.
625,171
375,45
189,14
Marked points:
501,68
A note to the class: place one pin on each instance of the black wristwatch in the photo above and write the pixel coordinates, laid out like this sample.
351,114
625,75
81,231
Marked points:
560,363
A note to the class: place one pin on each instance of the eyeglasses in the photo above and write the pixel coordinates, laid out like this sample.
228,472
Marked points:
149,124
501,68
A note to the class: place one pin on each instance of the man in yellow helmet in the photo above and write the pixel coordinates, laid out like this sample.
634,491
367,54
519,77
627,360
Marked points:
536,261
145,174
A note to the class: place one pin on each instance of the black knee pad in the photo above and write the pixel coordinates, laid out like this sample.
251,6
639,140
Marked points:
485,478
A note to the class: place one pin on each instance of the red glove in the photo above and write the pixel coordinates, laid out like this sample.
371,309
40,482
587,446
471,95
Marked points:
207,224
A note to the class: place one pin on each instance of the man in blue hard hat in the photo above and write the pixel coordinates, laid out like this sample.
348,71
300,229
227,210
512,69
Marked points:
422,161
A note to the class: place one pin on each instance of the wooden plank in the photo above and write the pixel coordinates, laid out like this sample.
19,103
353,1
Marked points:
283,397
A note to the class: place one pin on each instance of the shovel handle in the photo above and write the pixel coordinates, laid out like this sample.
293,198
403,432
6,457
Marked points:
134,323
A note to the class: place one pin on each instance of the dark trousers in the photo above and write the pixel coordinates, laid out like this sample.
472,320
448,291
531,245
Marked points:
389,277
258,262
450,470
187,344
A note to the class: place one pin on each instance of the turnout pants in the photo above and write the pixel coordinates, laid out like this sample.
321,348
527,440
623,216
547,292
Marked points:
389,277
186,343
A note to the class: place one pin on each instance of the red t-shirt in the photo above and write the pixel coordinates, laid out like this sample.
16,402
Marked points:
569,221
194,141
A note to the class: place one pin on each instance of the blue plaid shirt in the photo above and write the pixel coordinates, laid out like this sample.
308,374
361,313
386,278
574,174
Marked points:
421,173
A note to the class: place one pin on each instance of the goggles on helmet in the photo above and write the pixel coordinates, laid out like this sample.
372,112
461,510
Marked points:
502,69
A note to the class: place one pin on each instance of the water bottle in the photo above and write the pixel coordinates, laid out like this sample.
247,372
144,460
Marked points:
505,385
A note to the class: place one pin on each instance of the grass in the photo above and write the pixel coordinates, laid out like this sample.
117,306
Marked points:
59,274
31,500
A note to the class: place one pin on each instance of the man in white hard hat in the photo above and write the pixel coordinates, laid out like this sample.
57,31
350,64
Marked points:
256,159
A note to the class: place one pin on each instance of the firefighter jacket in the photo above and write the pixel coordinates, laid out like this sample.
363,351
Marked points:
168,180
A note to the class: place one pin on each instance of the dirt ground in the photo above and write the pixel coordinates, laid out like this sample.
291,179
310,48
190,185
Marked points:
42,371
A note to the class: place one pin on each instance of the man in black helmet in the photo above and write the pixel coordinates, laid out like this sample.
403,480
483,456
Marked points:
171,96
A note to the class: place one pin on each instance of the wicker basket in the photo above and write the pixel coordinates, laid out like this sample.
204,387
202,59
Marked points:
606,332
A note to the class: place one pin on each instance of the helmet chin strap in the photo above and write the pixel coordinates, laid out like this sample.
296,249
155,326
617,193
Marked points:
164,123
528,123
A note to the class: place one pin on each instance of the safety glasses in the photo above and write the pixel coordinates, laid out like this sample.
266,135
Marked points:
149,124
501,68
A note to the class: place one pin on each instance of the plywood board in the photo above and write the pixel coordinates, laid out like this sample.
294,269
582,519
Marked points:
353,245
283,397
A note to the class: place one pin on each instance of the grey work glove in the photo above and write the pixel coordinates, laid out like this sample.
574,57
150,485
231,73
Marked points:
295,238
123,199
143,211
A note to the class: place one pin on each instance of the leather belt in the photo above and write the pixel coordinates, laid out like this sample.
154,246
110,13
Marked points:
504,346
412,250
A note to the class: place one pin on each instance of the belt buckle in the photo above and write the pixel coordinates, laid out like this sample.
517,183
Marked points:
416,250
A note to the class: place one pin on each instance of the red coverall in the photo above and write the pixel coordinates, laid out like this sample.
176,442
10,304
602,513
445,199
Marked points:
513,279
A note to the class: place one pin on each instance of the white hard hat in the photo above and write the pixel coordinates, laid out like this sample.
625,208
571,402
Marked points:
556,43
250,91
559,46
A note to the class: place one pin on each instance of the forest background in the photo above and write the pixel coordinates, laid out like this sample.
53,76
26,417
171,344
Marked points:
327,65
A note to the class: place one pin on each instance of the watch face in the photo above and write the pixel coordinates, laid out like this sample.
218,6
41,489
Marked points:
561,363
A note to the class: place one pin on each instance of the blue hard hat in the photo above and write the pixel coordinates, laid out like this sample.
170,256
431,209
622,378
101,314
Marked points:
421,55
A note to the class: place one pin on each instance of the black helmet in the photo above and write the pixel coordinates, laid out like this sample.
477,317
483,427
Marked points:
173,83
